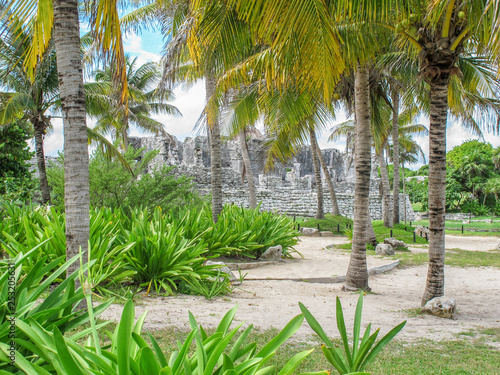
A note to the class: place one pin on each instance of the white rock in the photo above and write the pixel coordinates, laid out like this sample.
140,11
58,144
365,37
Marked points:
444,307
273,253
384,249
395,243
223,269
309,232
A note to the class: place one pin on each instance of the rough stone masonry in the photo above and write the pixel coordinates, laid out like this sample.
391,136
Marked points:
288,188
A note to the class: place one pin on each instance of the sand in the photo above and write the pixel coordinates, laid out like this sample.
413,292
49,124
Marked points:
272,303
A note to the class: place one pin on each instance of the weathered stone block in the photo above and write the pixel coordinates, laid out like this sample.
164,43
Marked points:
384,249
444,307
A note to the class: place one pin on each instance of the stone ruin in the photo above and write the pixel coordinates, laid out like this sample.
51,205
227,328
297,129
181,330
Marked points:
288,188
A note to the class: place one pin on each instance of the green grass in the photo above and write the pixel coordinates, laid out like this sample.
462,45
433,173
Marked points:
468,227
330,222
398,232
417,207
455,258
467,355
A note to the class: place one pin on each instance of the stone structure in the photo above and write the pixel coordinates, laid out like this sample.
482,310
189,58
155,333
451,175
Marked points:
287,188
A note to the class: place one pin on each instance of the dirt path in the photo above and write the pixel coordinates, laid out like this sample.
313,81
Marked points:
272,303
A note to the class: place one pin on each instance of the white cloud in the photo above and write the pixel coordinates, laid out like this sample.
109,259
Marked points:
132,44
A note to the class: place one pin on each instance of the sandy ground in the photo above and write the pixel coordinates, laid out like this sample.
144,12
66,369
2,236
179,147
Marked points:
272,303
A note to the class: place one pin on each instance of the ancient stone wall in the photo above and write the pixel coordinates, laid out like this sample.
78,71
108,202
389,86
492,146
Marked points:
287,188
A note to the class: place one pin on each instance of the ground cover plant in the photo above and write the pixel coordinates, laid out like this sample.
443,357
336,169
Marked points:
147,248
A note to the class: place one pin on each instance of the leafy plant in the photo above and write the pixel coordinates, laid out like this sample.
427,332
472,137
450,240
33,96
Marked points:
56,311
223,352
161,255
353,360
211,287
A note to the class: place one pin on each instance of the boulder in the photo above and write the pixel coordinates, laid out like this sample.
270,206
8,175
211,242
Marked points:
444,307
325,233
273,253
498,246
223,269
421,231
313,232
395,243
384,249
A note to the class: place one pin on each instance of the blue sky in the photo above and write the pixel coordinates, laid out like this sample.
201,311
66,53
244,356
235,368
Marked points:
148,45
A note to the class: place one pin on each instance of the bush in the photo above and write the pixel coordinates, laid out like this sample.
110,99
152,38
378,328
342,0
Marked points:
16,181
112,186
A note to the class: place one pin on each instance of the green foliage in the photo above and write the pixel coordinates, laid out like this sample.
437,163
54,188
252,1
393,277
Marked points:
353,359
226,351
16,181
56,311
147,249
112,186
161,255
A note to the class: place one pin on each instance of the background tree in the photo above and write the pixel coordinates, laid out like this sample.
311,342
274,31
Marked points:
144,99
34,100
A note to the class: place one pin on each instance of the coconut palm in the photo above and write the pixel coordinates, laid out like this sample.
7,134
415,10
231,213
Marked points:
59,20
33,100
144,99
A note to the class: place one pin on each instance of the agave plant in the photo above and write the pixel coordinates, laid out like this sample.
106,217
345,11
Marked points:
56,311
356,358
226,351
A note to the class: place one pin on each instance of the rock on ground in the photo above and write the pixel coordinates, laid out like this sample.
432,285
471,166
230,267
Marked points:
441,306
395,243
384,249
313,232
273,253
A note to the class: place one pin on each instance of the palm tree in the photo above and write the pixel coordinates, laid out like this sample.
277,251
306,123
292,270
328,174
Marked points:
31,100
59,20
144,99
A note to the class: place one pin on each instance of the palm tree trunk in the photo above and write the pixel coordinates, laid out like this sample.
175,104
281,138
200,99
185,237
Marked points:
40,160
215,154
76,156
370,232
395,154
437,185
248,169
386,190
320,213
404,190
331,189
357,273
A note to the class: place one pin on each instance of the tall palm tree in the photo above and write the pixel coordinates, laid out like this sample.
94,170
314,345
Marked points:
59,20
32,100
144,99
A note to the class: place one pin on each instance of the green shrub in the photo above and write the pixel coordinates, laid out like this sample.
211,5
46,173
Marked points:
112,186
161,255
56,311
226,351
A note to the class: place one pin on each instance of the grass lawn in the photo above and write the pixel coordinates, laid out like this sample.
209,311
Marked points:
336,224
454,257
469,354
456,226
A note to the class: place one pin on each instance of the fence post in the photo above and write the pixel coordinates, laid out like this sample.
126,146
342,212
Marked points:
405,229
410,223
338,227
298,227
414,237
391,232
294,218
318,228
462,229
426,236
